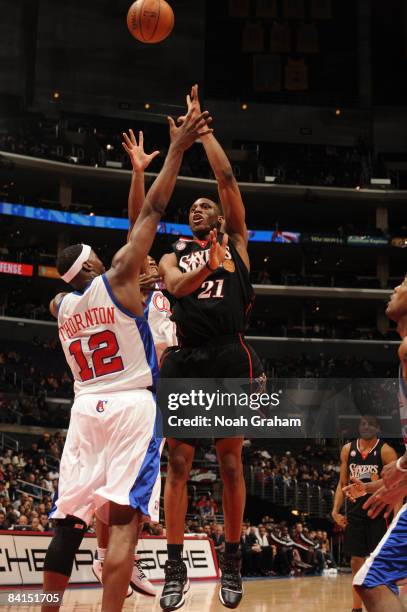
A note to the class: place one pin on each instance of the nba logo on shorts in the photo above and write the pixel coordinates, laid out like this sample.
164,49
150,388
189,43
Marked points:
101,405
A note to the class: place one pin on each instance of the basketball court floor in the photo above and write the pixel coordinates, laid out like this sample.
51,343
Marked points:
331,593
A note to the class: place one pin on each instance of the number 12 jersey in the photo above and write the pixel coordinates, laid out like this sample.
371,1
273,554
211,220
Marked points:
108,348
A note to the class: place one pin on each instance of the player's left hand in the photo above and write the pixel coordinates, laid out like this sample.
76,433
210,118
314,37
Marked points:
391,475
385,499
217,252
140,160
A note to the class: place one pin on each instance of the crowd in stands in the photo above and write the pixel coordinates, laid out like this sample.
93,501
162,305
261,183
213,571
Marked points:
334,279
29,480
36,388
95,142
37,368
268,324
273,548
312,464
326,365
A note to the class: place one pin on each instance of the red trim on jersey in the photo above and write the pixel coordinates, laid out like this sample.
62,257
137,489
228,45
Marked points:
202,243
364,453
248,356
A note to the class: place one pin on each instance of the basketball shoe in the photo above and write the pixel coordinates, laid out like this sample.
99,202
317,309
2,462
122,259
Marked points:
97,569
139,581
231,588
176,585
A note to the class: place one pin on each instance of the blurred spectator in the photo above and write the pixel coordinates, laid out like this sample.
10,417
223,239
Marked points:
207,507
218,538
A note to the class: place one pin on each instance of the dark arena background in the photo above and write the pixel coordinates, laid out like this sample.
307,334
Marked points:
309,100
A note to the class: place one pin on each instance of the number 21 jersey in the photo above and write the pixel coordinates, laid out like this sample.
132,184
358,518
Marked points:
108,348
221,305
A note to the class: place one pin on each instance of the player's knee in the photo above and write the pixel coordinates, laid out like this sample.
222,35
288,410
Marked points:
231,468
64,545
179,469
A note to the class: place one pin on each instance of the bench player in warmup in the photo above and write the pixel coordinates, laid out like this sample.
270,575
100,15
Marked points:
157,312
111,458
364,459
378,579
212,297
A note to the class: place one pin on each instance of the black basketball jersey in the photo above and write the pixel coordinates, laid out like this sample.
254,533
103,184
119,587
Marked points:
221,305
366,467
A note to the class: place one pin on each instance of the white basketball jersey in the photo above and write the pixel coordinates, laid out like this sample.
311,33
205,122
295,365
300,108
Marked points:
157,313
108,348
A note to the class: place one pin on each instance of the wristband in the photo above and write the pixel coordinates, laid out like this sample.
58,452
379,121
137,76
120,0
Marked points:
209,268
398,466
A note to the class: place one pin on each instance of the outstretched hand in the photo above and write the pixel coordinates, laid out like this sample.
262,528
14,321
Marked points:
385,499
140,160
193,104
190,129
217,252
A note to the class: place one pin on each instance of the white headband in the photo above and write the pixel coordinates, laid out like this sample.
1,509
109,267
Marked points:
77,264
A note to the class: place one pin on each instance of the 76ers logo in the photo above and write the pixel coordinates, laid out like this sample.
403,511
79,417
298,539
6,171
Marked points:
197,259
101,405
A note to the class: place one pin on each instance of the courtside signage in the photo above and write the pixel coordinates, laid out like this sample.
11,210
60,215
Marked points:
22,558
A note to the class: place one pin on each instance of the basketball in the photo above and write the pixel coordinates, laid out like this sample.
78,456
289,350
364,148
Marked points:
150,21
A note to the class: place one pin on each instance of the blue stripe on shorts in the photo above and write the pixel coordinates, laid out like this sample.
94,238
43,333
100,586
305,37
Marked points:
387,564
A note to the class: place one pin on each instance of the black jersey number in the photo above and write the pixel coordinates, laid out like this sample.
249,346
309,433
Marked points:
211,289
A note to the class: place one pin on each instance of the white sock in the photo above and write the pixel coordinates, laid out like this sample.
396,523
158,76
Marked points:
101,553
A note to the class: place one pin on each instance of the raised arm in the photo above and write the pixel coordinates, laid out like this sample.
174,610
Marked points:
128,260
229,192
180,284
139,161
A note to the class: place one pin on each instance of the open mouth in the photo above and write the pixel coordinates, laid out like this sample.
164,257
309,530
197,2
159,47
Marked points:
197,219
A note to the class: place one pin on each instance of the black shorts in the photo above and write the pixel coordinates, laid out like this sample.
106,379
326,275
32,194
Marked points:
222,357
362,535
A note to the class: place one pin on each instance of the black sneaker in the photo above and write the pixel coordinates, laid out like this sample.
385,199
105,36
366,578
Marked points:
175,586
231,589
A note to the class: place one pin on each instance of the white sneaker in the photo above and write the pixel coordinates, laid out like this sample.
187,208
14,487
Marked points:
139,581
97,569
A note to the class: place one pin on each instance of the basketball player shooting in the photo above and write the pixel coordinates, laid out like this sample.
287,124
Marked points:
212,296
364,459
111,457
377,581
157,312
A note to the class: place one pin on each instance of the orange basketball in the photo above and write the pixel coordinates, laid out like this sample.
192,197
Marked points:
150,21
